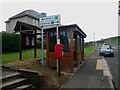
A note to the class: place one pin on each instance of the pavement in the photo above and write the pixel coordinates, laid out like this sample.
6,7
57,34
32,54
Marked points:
94,73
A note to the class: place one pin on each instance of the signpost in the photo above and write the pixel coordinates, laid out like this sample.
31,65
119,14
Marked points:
49,21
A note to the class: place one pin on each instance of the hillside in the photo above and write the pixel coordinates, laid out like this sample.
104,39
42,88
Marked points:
113,40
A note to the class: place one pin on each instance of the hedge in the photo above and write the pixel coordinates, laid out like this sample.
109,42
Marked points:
10,42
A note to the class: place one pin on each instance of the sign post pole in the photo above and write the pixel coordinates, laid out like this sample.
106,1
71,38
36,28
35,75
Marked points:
58,59
59,67
57,43
42,44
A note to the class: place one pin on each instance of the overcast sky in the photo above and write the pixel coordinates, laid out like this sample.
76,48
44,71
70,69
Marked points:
100,18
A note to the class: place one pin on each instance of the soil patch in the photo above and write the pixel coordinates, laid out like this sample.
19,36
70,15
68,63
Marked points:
51,79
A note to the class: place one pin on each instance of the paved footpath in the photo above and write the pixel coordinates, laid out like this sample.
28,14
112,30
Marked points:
90,74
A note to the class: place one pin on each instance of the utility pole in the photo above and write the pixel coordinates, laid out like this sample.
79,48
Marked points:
94,39
116,40
109,41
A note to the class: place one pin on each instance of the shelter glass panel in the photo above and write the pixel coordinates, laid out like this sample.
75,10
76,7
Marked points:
65,39
32,41
52,41
27,40
33,21
79,43
36,22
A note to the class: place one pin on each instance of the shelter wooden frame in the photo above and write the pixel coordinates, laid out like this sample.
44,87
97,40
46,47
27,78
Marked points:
26,30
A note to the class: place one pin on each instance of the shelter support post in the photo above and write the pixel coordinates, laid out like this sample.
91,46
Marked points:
47,49
83,48
35,44
71,48
42,45
80,50
77,51
20,45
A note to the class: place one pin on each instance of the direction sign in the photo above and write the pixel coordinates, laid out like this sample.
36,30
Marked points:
50,20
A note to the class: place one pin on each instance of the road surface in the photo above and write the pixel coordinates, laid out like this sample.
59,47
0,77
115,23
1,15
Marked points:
113,64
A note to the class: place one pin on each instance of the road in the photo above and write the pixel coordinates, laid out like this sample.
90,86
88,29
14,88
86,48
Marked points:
113,64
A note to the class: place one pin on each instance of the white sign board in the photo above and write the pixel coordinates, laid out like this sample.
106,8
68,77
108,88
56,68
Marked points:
50,20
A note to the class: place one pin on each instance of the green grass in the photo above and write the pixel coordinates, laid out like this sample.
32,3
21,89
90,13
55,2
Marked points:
10,57
88,50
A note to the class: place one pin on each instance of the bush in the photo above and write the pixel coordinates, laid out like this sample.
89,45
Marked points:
39,44
10,42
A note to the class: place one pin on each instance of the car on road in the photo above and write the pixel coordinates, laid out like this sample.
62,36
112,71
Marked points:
106,50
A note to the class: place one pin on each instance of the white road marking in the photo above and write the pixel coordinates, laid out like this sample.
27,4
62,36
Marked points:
106,72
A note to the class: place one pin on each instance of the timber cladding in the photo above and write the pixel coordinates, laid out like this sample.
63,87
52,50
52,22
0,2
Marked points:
67,61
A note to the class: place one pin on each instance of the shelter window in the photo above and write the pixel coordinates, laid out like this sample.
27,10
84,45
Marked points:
79,43
33,21
27,40
52,41
32,41
74,44
82,44
74,41
65,39
36,22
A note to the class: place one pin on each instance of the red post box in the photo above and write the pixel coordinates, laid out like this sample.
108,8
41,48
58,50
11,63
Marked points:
59,51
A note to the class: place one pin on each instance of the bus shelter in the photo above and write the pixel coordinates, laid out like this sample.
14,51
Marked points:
73,39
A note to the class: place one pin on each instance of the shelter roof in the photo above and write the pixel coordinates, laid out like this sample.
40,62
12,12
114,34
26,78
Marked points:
25,26
78,30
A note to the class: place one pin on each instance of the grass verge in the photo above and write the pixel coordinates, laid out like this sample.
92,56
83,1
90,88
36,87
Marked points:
14,56
88,50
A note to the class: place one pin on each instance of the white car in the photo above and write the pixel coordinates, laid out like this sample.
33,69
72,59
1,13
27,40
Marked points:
106,50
